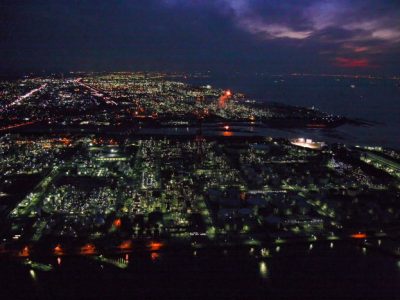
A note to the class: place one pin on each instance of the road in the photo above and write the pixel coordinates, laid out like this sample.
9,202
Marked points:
20,99
95,92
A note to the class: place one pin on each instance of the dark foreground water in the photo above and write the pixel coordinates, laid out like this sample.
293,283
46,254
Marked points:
292,272
374,100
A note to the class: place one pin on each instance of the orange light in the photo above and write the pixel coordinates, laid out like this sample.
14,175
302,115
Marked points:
227,133
359,236
126,245
24,252
155,246
224,98
58,250
88,249
66,141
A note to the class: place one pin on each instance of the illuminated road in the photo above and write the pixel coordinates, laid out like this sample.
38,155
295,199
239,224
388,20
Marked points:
96,92
383,161
20,99
35,198
5,128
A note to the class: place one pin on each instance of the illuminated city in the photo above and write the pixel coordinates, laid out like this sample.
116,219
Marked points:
120,163
175,149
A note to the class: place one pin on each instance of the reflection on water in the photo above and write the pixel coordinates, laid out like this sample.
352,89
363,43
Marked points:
33,274
155,256
375,100
263,269
347,134
227,133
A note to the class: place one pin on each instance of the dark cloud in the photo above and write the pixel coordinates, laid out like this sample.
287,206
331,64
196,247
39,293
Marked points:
221,35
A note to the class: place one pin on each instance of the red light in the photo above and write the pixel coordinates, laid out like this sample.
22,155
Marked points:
155,256
352,63
117,223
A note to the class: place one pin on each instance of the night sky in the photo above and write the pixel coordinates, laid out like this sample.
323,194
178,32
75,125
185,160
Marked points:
276,36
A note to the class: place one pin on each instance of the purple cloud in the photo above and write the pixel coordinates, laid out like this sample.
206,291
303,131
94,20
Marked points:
350,28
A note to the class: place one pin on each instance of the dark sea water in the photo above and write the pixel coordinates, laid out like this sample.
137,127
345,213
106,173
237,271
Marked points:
295,272
345,271
373,100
